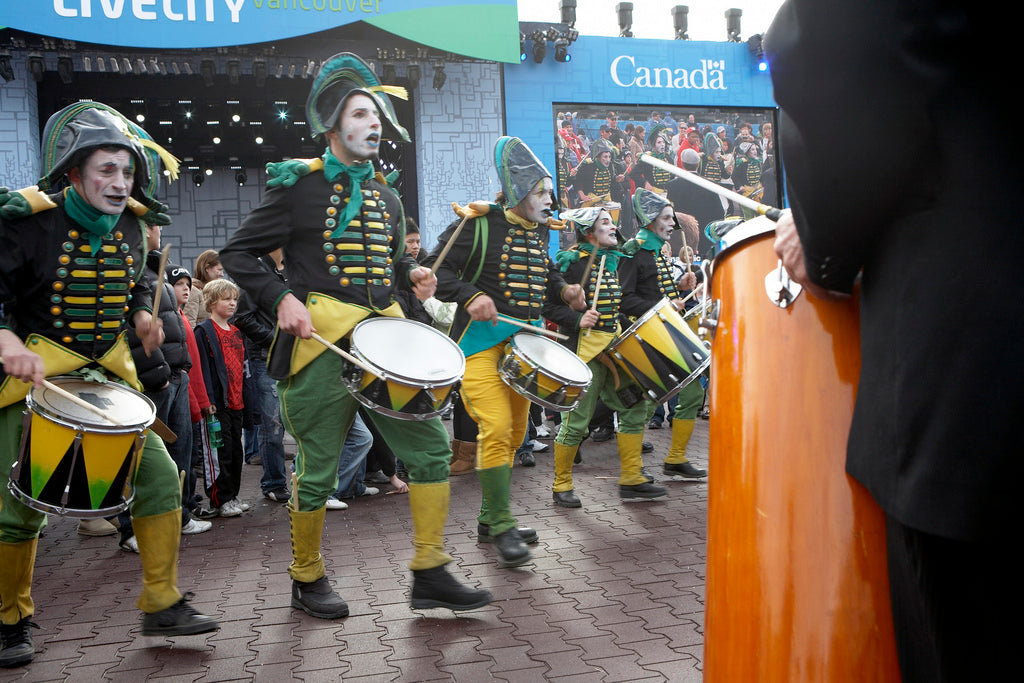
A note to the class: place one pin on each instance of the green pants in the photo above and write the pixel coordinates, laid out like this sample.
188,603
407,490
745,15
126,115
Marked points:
318,410
632,420
156,481
690,399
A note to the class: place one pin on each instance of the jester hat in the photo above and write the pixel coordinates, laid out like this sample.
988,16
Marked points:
519,170
339,78
648,205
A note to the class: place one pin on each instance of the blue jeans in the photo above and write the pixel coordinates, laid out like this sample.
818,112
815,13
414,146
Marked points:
352,460
271,431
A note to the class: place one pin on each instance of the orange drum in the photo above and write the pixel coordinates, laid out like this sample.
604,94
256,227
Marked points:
797,586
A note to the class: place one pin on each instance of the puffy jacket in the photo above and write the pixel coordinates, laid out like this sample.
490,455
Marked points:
155,370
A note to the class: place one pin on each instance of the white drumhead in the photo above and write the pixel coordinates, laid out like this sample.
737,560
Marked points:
408,349
552,356
123,405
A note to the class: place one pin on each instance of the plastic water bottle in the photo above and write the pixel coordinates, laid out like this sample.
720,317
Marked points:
213,428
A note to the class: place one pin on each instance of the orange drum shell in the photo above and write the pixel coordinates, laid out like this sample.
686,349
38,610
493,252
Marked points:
797,586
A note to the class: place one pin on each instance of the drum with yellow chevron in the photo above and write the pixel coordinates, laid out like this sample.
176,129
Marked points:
74,462
415,367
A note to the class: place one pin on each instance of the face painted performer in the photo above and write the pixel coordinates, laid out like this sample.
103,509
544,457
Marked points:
342,231
646,279
70,278
590,333
497,265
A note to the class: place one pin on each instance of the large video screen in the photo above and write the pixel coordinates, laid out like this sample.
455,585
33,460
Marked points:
598,148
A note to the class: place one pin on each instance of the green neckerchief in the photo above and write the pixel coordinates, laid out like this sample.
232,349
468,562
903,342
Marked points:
649,240
96,223
567,257
357,175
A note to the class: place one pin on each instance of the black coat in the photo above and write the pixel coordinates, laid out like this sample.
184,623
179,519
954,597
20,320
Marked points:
921,210
172,356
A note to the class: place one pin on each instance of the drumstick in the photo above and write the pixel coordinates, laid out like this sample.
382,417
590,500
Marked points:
531,328
159,284
763,209
597,289
472,210
78,401
590,264
346,355
684,251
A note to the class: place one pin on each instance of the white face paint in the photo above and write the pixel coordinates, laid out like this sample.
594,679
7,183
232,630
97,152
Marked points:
604,234
536,206
664,224
356,137
659,144
105,180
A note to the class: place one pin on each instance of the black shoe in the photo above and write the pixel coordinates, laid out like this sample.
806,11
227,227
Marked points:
705,414
512,552
483,534
526,459
603,433
647,447
437,588
567,499
16,645
280,495
654,424
646,491
683,470
648,477
318,599
180,619
377,477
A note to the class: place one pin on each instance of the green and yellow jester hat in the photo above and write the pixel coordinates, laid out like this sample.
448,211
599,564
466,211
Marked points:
339,78
659,130
648,205
519,171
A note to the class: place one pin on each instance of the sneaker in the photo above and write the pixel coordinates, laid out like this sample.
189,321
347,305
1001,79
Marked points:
654,424
96,527
683,470
180,619
370,491
196,526
538,447
603,433
205,513
129,545
229,509
241,505
647,447
16,645
254,460
280,495
543,432
377,477
335,504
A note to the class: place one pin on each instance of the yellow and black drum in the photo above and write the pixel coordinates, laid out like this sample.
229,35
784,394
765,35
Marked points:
661,352
73,462
544,371
416,366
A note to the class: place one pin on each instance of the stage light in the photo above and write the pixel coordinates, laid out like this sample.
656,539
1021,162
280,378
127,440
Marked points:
439,77
757,51
140,66
87,64
522,48
625,12
207,69
680,21
562,50
413,73
6,72
234,69
240,177
259,72
389,76
115,67
198,179
568,8
540,46
36,67
732,24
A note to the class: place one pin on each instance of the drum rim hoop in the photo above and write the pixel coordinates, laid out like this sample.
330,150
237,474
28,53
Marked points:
390,375
520,351
45,412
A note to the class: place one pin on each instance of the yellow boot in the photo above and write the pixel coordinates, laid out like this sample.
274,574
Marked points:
562,490
432,585
463,457
676,463
16,645
311,590
166,612
632,482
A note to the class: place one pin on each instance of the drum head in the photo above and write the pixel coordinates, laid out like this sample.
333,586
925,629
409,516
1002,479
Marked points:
553,357
126,407
406,349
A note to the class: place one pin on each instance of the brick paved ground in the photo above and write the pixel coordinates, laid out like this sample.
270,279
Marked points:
615,592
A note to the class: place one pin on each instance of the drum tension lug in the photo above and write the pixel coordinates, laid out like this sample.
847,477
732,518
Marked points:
781,290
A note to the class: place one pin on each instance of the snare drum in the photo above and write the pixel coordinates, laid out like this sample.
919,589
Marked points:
660,352
544,371
73,462
613,209
417,368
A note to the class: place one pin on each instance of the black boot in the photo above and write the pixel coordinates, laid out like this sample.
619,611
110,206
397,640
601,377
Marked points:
318,599
647,490
567,499
180,619
16,646
437,588
483,534
512,552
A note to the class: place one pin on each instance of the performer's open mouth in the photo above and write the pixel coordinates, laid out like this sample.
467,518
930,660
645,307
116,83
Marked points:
548,212
374,139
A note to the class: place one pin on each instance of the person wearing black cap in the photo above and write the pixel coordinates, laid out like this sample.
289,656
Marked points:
589,334
499,264
107,168
342,230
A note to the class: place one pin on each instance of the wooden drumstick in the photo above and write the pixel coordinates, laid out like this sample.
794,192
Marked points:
590,264
531,328
159,284
684,252
78,401
472,210
346,355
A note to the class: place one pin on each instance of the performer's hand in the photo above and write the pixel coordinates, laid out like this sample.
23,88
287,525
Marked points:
483,308
789,248
150,330
18,361
400,486
589,319
424,282
687,282
293,317
573,295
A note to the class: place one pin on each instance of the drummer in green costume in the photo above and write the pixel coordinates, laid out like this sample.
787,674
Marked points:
590,333
70,279
341,228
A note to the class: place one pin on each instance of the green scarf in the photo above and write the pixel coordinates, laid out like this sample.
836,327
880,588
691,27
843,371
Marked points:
649,240
567,257
357,175
95,222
